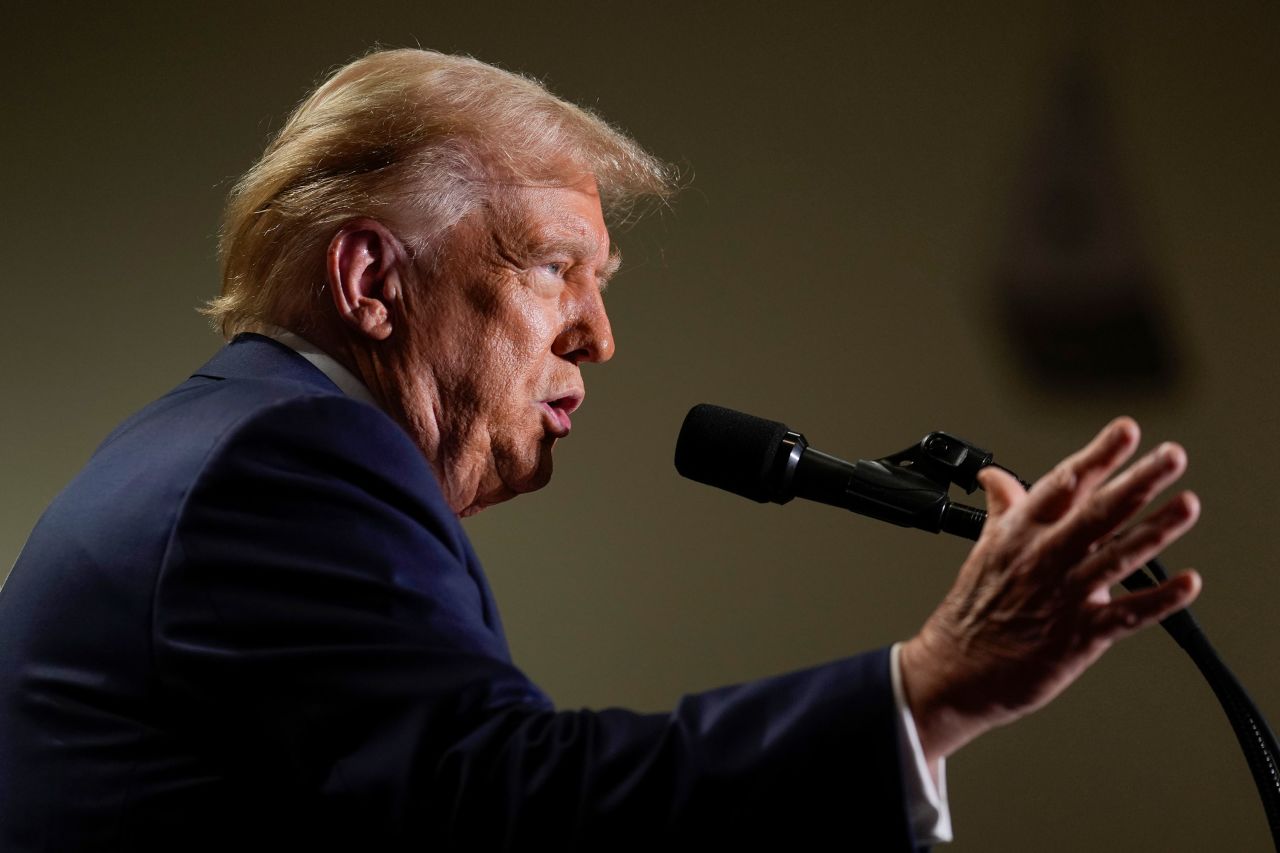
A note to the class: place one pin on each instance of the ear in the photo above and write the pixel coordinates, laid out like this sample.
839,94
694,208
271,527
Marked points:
364,265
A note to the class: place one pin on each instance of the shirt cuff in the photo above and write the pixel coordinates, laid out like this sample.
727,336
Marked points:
926,803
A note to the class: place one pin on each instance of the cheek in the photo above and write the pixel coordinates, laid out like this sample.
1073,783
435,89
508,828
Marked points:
518,345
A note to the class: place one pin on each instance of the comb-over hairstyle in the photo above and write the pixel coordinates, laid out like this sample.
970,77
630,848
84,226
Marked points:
415,139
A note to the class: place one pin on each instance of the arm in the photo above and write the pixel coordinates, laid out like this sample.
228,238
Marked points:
316,614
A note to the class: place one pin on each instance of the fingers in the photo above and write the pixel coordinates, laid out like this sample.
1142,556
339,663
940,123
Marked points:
1134,612
1118,501
1115,560
1079,473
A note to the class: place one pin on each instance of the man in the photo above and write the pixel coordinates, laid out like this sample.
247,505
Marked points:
253,620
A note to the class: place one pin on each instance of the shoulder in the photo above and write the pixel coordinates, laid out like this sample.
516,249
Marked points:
316,515
302,429
338,457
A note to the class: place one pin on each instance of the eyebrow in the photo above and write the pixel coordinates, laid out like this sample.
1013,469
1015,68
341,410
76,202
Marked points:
610,267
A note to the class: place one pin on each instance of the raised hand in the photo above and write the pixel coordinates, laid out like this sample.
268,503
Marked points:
1032,608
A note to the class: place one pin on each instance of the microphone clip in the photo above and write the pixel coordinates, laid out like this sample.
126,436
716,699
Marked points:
944,459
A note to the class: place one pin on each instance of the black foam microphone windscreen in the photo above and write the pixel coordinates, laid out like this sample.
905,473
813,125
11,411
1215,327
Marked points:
729,450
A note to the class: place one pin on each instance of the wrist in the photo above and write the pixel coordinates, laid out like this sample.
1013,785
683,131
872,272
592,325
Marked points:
943,724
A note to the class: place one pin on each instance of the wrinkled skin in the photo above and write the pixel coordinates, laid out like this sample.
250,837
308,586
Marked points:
1031,608
479,355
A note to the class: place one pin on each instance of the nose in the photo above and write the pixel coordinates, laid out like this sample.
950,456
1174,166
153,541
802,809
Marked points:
587,335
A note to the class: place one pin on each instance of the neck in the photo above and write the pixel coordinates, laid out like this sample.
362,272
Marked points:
411,398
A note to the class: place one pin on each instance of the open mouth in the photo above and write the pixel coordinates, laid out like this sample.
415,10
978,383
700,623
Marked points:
558,411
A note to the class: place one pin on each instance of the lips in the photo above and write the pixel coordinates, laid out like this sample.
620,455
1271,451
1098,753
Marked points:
557,410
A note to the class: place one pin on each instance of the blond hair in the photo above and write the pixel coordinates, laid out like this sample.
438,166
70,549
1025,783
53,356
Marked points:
405,133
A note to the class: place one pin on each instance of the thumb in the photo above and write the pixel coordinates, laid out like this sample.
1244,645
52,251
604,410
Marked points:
1002,489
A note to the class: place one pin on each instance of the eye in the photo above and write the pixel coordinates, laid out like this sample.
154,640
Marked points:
556,268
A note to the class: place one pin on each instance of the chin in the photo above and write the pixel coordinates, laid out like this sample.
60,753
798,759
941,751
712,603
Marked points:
536,473
531,476
541,473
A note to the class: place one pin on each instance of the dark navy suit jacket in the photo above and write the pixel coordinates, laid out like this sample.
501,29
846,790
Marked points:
252,622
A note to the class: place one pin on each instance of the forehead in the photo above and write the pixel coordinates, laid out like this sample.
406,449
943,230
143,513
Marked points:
568,217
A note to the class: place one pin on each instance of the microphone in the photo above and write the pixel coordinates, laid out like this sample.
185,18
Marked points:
765,461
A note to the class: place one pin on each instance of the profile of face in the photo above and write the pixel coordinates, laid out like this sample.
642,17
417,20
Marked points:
483,361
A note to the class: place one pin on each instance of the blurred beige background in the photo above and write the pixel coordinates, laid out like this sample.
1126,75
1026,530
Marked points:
853,168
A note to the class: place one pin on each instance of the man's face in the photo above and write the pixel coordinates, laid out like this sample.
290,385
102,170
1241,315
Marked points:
496,334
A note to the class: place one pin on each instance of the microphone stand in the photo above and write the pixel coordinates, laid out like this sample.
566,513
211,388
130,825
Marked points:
943,459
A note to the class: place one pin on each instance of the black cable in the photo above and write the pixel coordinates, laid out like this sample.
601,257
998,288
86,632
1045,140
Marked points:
1256,738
